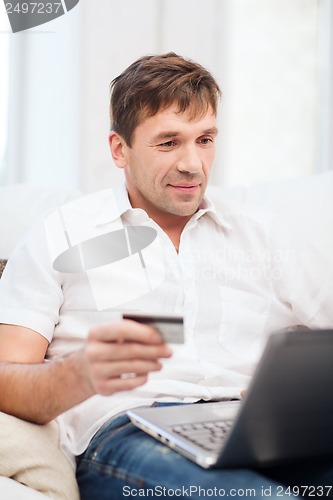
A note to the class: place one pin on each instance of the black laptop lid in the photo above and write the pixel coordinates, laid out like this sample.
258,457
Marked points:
288,412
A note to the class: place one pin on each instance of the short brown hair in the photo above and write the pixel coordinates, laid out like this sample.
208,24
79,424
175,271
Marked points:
153,83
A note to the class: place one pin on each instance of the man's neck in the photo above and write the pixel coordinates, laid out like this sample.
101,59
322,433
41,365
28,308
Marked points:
172,225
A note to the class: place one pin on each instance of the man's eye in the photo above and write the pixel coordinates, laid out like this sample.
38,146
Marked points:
206,140
167,144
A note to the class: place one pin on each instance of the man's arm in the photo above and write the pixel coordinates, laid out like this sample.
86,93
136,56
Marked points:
38,390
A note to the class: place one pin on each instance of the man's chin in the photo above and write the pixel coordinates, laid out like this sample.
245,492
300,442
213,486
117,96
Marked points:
184,205
183,209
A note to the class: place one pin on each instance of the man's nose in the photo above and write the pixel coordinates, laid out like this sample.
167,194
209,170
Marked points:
189,160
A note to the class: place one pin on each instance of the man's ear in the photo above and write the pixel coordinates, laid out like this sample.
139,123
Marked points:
118,149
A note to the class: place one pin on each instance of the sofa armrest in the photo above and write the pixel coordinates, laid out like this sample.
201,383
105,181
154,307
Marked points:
12,490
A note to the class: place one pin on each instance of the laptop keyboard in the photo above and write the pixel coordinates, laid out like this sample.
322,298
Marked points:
208,435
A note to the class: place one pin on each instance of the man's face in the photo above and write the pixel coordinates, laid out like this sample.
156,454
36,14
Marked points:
168,165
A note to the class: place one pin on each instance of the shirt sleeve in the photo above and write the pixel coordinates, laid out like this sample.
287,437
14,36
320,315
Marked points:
303,243
30,290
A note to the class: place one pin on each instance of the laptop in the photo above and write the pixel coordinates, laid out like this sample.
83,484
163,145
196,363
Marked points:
286,415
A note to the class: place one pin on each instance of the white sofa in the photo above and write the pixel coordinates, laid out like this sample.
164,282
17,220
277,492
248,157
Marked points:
305,204
13,490
20,206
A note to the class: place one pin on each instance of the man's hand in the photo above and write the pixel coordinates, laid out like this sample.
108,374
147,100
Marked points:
116,357
119,357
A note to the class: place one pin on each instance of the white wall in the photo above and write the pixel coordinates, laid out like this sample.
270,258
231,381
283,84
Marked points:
270,89
44,103
263,53
325,87
269,56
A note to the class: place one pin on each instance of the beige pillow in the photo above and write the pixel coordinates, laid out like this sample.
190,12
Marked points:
30,454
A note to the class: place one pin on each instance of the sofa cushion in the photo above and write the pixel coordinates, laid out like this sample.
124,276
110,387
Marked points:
21,205
30,454
13,490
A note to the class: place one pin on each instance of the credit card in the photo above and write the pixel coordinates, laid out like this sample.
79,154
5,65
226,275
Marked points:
170,327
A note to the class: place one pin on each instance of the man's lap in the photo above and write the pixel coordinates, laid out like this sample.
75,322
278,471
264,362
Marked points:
122,461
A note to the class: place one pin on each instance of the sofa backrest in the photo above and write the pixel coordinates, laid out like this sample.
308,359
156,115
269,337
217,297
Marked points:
305,205
21,205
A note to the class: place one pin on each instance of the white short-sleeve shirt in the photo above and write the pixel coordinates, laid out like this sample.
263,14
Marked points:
236,278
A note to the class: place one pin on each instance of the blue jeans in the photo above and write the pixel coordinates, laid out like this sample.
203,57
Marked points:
122,461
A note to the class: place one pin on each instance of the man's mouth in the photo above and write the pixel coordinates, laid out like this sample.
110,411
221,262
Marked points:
185,187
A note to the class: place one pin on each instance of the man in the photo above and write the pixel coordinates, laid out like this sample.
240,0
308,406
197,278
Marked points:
68,309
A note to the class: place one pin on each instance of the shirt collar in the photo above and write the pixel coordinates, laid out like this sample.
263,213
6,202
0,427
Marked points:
118,203
208,208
